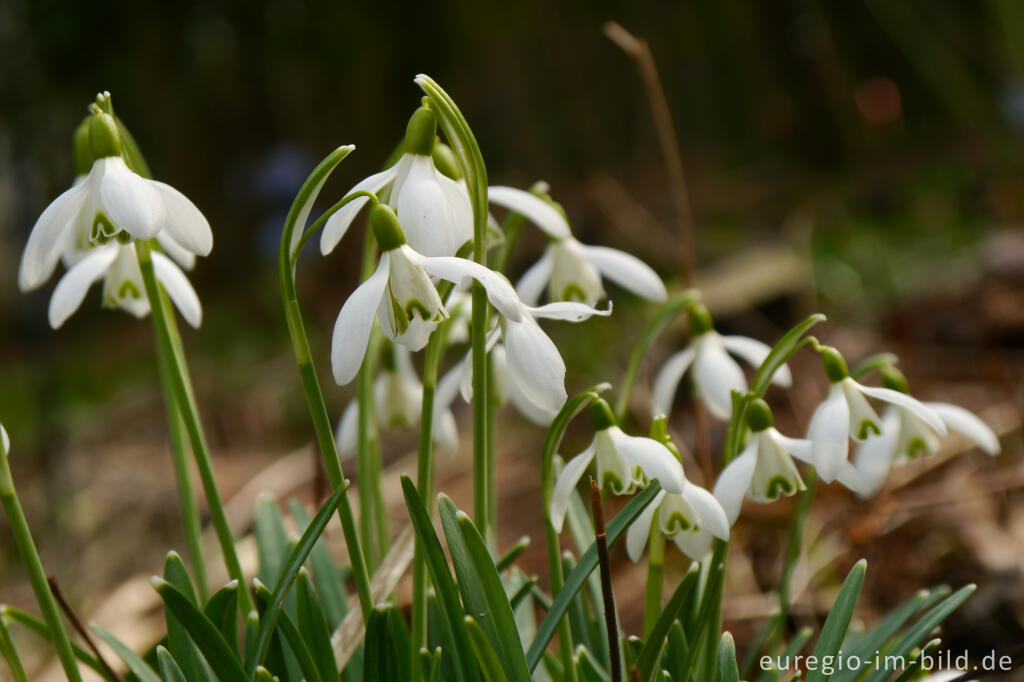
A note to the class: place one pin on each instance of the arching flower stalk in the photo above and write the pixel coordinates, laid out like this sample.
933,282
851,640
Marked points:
905,436
846,413
715,374
765,470
623,463
434,210
572,271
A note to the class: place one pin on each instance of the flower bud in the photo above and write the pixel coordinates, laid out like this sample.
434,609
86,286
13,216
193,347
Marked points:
420,132
81,147
759,415
834,364
386,227
700,319
601,415
104,140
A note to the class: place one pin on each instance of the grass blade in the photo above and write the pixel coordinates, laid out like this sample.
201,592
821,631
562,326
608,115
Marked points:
838,620
485,654
650,654
130,658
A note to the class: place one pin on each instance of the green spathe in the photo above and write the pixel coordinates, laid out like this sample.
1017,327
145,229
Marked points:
700,319
601,415
834,364
82,147
759,415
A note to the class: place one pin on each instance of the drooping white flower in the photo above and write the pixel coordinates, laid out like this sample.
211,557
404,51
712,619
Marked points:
118,266
623,463
691,519
904,436
846,413
398,401
765,469
434,210
715,374
572,271
112,202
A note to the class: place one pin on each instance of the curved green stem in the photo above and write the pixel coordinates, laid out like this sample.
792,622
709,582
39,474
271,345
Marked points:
181,385
655,576
367,453
310,381
34,566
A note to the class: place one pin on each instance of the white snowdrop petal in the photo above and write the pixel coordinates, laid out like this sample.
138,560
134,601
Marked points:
457,270
535,364
967,424
133,203
734,481
530,286
694,544
458,200
850,477
539,212
568,311
352,328
667,382
43,249
185,224
337,225
626,270
178,288
541,416
874,457
755,353
5,440
710,511
347,435
829,433
423,210
717,375
72,287
445,431
925,414
640,530
179,254
656,460
800,448
565,484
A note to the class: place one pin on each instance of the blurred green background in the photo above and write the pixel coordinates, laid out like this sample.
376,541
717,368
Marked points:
883,139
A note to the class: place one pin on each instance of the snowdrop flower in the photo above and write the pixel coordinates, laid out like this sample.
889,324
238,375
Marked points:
434,210
765,469
715,374
572,271
846,413
398,400
623,464
504,388
111,203
118,266
905,436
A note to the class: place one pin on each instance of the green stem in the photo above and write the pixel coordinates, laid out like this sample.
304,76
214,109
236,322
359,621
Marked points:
478,332
492,465
792,554
182,387
34,566
370,522
183,479
655,576
425,487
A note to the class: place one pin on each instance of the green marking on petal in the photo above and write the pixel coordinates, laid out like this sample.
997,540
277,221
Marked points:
401,319
779,485
573,292
414,306
676,523
123,237
867,427
128,290
102,229
916,447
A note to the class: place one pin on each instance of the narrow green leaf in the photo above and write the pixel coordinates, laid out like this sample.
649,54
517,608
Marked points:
252,628
271,536
222,610
130,658
452,613
496,611
522,592
204,633
490,665
728,671
755,647
589,667
386,650
299,211
513,553
313,627
650,654
286,626
288,573
179,644
922,628
784,349
329,580
263,675
587,563
838,620
10,654
168,668
913,669
39,627
677,652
